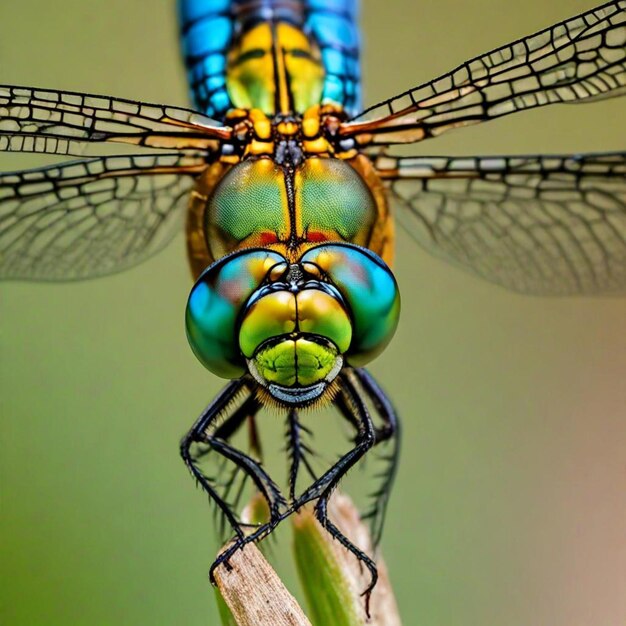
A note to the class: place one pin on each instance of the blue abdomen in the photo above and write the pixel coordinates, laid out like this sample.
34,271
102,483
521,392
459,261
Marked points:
209,27
332,23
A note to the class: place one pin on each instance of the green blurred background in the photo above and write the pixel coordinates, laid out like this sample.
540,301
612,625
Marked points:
510,505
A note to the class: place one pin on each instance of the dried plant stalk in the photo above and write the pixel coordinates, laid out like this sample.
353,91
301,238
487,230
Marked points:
255,594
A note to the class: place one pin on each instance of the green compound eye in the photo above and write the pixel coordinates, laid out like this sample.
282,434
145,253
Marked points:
370,290
214,305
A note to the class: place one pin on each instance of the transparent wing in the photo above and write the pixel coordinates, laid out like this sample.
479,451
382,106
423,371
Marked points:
580,59
551,225
91,218
61,122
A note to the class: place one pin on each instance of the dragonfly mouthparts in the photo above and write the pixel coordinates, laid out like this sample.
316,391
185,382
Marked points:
297,395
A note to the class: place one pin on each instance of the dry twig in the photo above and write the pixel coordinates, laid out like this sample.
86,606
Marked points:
255,594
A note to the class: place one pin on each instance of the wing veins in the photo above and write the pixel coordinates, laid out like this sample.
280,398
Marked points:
91,217
539,224
75,118
573,61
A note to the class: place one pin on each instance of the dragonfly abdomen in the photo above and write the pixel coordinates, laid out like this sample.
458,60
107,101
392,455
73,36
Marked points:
276,55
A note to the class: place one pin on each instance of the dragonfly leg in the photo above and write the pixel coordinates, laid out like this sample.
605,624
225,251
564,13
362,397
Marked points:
233,486
240,542
298,451
363,441
389,432
323,487
321,513
210,430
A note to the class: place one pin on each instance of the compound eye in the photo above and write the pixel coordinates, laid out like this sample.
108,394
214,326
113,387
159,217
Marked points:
370,290
215,302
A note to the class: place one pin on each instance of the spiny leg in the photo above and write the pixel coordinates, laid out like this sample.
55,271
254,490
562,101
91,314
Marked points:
363,441
355,411
321,513
390,432
262,480
268,489
297,451
227,429
211,413
247,411
207,431
322,488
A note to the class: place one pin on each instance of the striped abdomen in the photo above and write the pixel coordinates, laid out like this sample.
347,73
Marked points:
270,54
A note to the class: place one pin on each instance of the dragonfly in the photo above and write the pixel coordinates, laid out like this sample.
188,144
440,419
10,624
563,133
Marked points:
287,190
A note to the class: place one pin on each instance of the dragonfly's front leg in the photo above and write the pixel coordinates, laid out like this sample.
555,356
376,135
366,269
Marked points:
213,431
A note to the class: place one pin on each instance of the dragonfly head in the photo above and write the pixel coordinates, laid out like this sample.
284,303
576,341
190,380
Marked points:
292,326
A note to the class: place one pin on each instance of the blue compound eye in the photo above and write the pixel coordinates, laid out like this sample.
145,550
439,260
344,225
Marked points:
214,305
370,290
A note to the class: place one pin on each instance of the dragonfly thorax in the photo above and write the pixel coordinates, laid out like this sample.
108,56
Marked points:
288,206
288,138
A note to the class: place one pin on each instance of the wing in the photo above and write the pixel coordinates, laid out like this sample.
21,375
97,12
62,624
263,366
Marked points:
61,122
91,218
578,60
550,225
